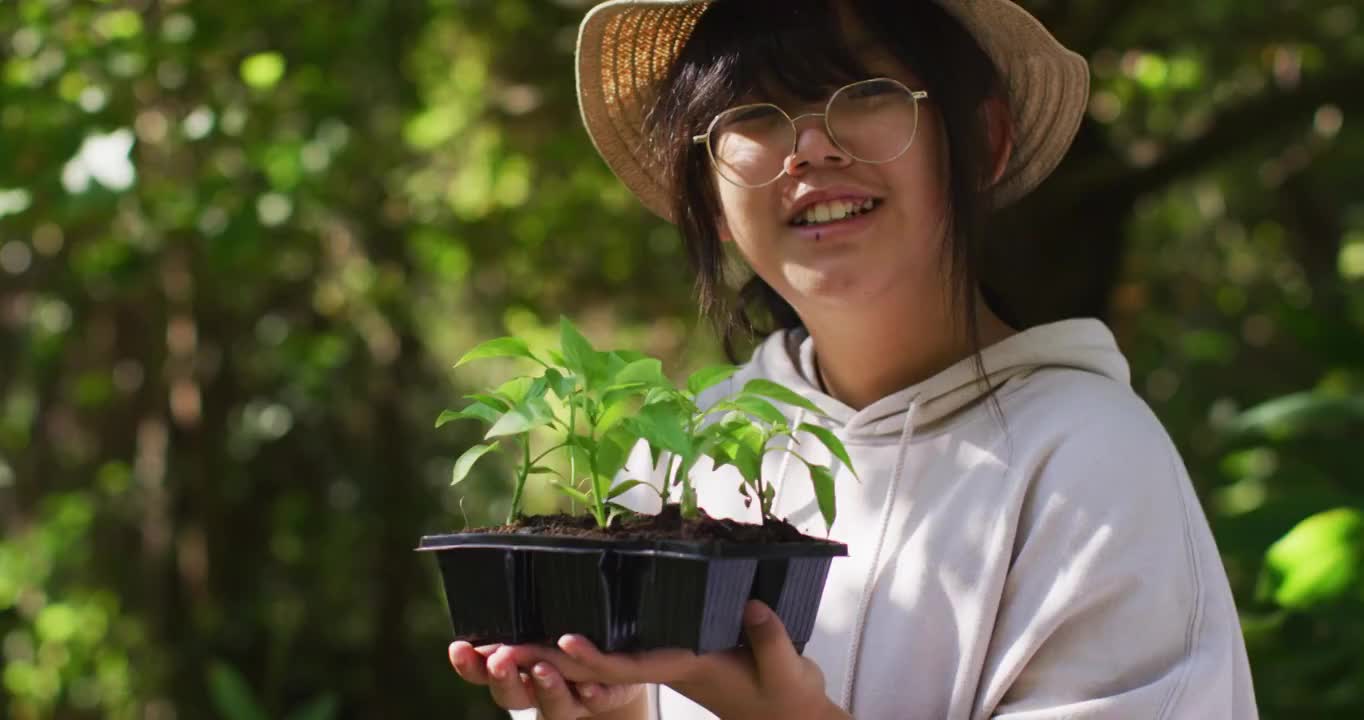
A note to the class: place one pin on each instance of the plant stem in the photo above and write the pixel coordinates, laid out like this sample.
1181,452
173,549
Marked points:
572,464
668,477
520,481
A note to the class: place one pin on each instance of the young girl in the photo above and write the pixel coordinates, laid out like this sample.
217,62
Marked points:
1024,541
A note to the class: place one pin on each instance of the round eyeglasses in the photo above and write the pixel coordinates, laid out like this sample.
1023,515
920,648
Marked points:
872,121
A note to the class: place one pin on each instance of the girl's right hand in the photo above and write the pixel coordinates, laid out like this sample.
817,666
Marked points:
544,688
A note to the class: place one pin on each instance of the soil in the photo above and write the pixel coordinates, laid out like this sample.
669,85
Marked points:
666,525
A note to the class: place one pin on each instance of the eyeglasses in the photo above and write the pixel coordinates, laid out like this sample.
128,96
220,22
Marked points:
872,121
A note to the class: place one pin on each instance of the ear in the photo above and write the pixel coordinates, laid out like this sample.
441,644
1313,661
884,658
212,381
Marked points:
999,128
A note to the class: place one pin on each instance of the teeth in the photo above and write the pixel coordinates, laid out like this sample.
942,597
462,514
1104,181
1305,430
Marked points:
833,210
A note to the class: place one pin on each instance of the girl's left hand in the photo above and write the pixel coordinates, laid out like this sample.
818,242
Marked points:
768,679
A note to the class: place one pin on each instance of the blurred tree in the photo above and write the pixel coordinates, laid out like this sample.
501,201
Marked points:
241,245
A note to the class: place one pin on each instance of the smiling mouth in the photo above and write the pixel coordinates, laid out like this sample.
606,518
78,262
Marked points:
834,212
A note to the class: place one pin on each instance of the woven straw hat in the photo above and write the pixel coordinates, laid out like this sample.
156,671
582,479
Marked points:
626,47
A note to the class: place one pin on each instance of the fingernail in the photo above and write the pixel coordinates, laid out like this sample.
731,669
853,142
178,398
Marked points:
542,676
588,691
499,672
756,614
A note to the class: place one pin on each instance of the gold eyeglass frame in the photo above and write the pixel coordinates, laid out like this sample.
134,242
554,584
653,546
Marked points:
705,139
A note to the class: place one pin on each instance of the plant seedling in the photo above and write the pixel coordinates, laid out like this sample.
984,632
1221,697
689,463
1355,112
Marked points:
609,401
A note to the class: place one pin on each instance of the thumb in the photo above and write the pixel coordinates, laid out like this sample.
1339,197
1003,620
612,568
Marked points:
776,658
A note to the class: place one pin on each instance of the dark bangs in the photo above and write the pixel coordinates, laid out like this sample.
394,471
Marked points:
741,51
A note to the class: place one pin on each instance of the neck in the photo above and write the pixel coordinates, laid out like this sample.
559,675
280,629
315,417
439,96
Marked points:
863,357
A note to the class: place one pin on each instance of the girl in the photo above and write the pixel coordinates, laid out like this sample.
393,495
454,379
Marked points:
1024,541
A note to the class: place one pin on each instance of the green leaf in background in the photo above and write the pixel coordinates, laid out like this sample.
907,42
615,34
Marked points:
263,71
832,442
1318,561
780,393
465,463
823,481
1301,413
325,707
707,377
231,694
499,348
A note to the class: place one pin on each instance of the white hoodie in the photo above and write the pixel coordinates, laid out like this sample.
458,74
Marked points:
1063,569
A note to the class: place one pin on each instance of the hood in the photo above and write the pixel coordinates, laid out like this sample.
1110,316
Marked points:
1081,344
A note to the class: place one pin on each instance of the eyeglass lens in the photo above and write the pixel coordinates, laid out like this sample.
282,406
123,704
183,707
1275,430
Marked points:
873,121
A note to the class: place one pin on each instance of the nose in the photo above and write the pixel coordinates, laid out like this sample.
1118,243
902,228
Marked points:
814,147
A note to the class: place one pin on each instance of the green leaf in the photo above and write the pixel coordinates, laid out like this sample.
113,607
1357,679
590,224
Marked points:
613,450
531,413
613,414
624,487
514,391
832,442
231,694
660,395
648,372
562,385
664,427
824,492
501,347
709,376
1318,561
780,393
576,494
500,404
630,356
323,708
465,463
579,356
757,407
477,411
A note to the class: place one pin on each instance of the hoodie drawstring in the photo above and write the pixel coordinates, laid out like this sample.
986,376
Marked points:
786,458
869,586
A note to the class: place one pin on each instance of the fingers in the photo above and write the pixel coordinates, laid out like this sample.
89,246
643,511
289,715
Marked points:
777,660
585,662
469,663
509,690
603,698
553,695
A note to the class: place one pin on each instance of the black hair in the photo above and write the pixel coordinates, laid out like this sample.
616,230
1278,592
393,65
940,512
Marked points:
741,49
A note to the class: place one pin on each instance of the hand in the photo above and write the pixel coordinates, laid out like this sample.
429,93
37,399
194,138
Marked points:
544,688
768,679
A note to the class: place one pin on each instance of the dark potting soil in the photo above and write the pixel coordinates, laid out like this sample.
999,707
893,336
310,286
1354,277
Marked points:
666,525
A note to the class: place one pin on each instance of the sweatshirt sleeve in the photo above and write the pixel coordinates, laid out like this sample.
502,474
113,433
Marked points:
1116,604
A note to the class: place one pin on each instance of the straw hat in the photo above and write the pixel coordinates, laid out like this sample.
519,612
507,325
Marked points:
625,48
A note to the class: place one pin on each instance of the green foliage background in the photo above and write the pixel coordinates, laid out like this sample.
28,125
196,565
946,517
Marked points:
242,243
